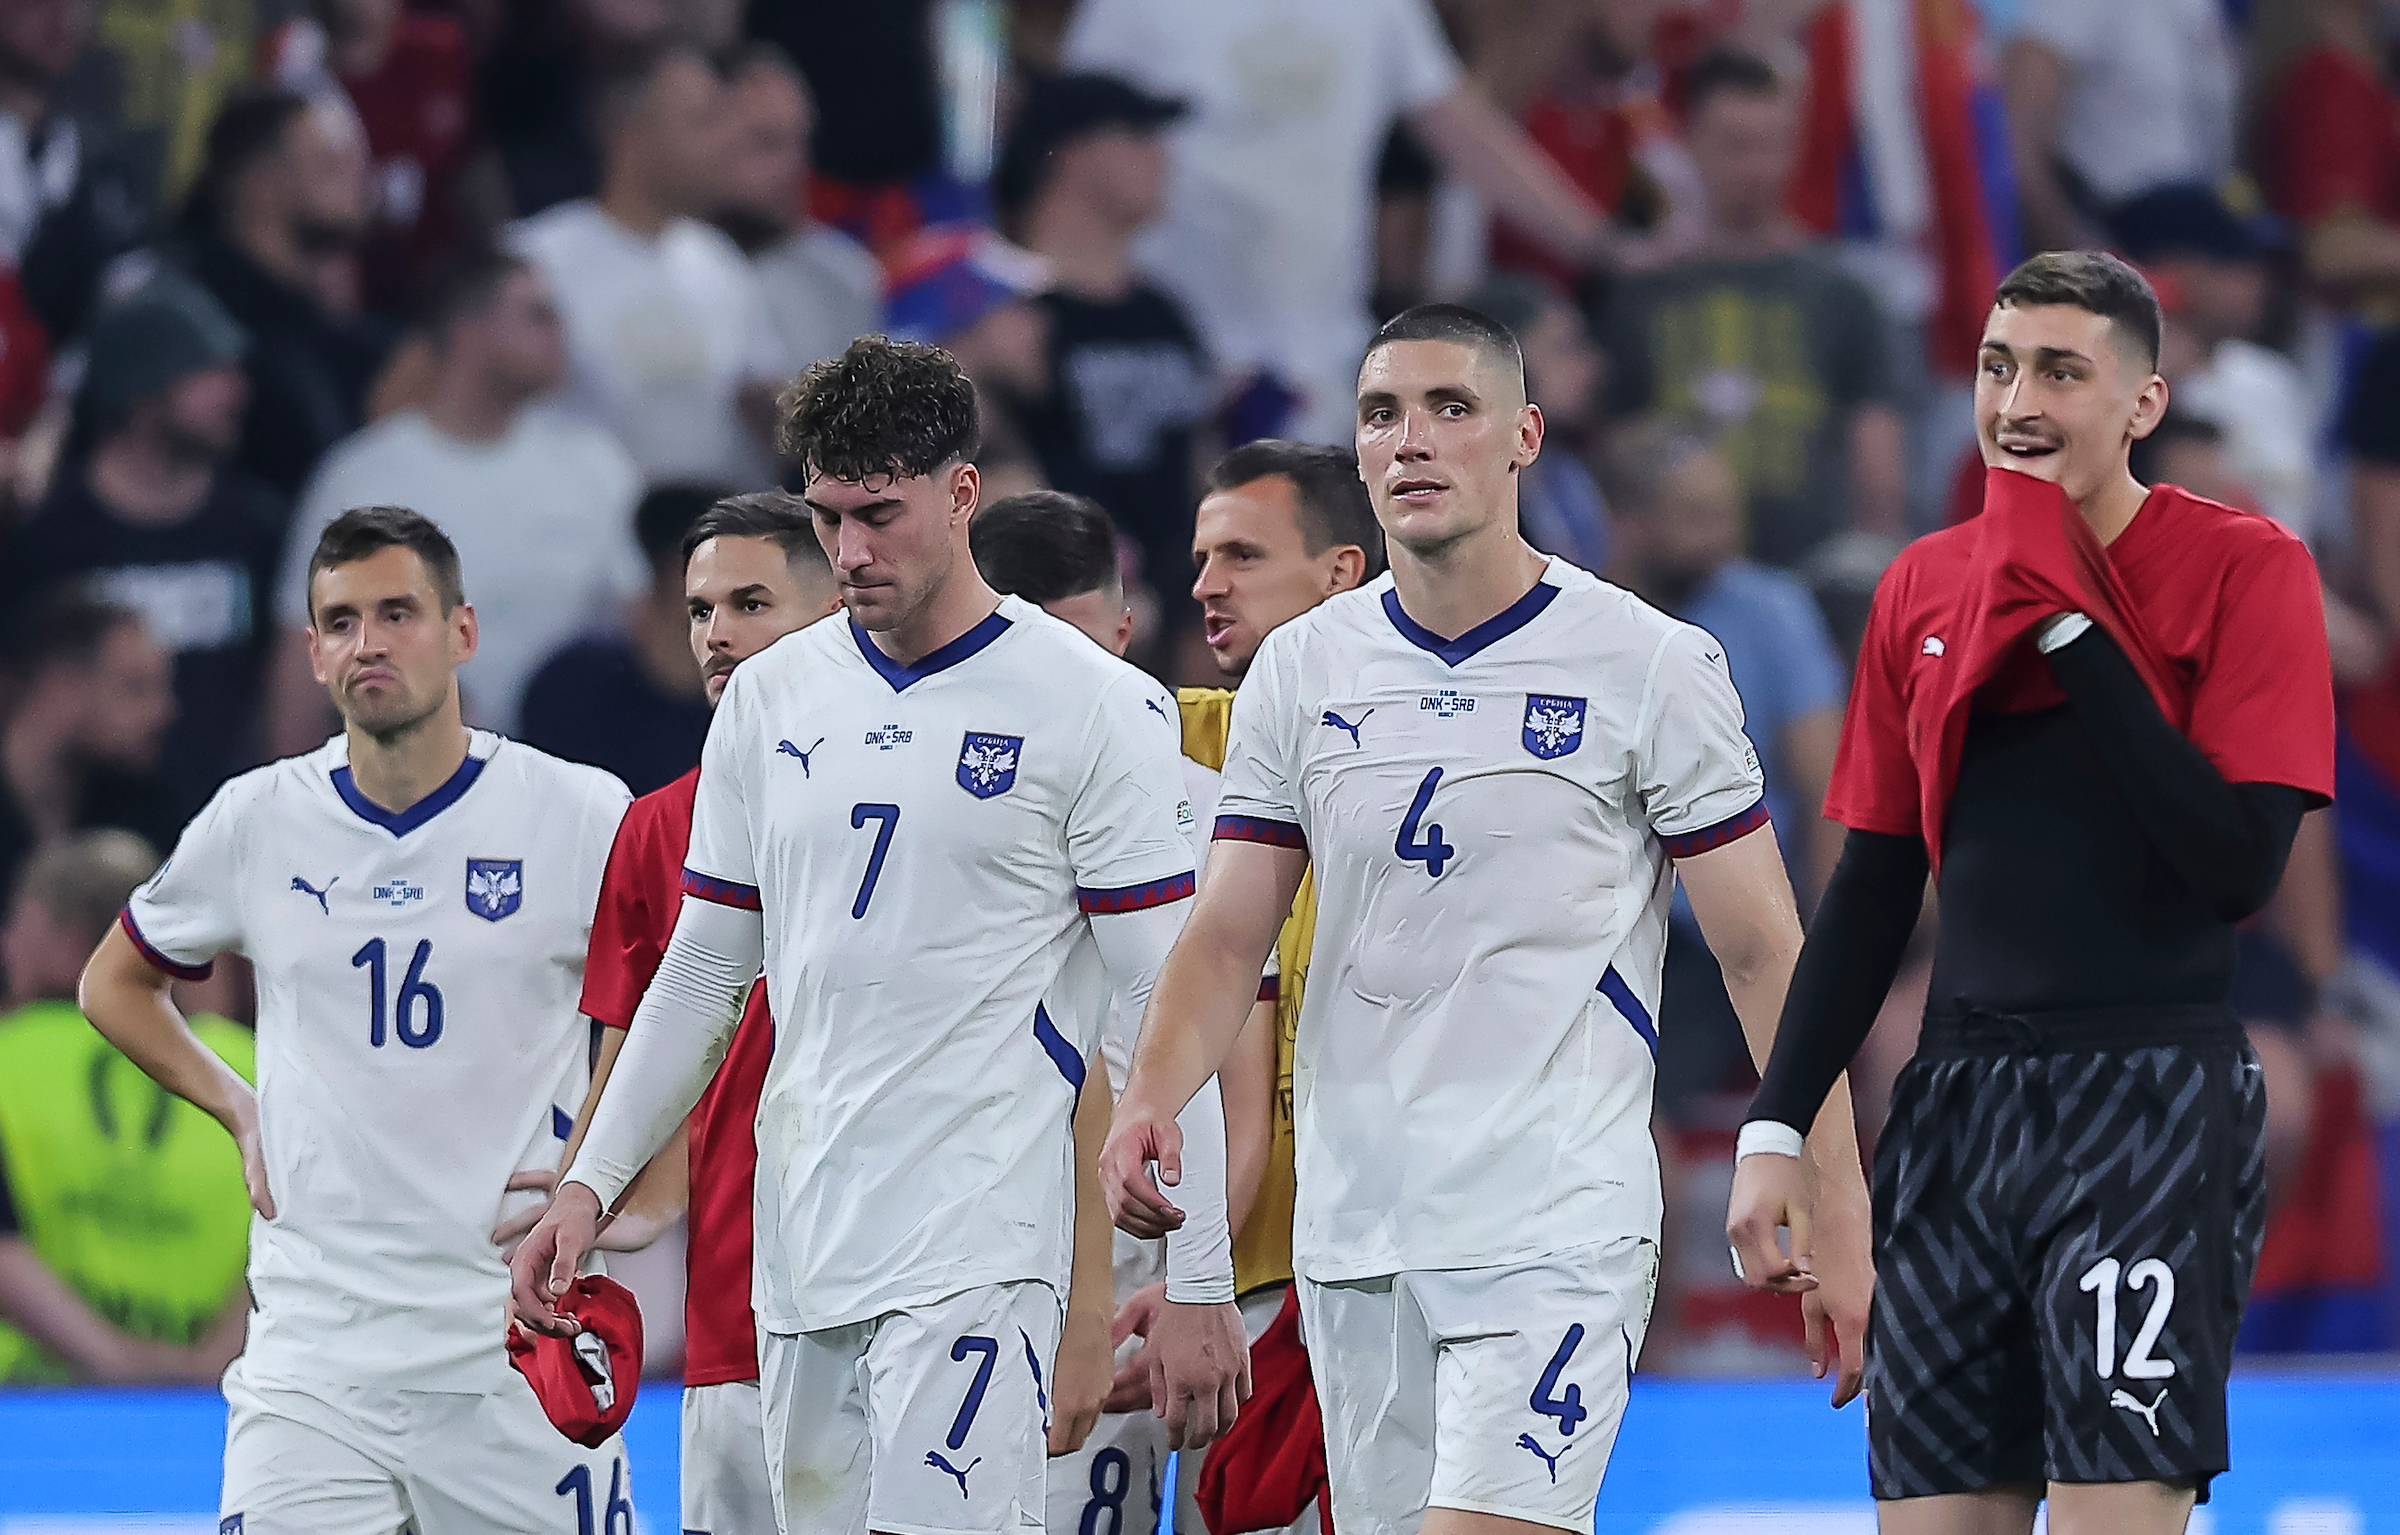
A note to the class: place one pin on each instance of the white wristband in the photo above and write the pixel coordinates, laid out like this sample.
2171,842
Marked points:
2063,633
1769,1136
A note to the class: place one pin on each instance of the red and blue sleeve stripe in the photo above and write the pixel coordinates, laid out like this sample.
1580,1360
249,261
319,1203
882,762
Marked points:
1692,843
157,960
1251,828
724,892
1159,892
1270,988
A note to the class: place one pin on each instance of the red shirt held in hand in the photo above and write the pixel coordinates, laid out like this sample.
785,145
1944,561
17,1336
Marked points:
639,897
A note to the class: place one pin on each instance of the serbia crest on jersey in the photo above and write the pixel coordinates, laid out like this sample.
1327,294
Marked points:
924,842
418,1039
1491,821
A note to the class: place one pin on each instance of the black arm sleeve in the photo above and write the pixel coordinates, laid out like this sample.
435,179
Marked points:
1846,968
2226,841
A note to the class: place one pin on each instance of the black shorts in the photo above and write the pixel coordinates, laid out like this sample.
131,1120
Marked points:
2067,1215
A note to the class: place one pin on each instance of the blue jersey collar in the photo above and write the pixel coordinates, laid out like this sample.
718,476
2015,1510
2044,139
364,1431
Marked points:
900,674
401,822
1484,635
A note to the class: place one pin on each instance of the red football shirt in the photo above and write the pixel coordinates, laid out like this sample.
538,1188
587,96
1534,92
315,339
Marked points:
2229,598
639,898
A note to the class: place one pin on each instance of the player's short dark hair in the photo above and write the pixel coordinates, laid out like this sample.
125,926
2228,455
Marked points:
85,878
1045,545
1730,71
64,625
777,516
463,285
1459,325
883,408
365,531
2094,281
1334,508
667,512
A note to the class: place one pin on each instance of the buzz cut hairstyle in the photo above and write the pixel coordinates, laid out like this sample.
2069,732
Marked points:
2093,281
777,516
365,531
1046,545
883,409
1334,507
1460,326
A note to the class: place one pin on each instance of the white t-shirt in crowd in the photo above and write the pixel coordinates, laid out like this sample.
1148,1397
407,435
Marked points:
822,291
926,844
1491,822
542,517
2150,92
2257,397
418,1040
661,336
1268,236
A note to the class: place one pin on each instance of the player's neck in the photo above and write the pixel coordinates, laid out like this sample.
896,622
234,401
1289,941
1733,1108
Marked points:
957,606
1469,582
2111,509
398,770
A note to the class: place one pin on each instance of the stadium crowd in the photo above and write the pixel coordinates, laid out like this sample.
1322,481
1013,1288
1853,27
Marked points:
539,268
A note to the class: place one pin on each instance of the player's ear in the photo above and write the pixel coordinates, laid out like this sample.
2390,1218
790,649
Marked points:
465,633
1346,570
1531,428
2149,408
966,485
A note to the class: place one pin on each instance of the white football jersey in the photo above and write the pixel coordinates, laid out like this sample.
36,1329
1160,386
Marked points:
1491,821
418,1039
923,843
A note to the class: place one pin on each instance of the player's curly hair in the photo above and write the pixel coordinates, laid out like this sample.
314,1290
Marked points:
883,408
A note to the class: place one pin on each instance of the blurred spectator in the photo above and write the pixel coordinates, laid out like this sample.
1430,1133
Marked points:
966,289
2330,149
67,207
148,86
2108,100
539,501
1560,508
538,91
1761,334
873,72
628,701
405,73
2212,277
92,698
24,384
2188,449
1268,234
822,289
147,513
668,342
1083,171
270,230
2370,430
124,1222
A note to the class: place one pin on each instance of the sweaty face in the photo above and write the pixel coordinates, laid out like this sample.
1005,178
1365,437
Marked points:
133,698
744,595
2057,396
1440,428
893,543
1255,571
380,643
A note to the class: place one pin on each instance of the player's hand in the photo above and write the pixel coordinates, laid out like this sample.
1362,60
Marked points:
1199,1371
254,1164
1770,1191
1130,1391
1079,1380
509,1232
1842,1258
548,1260
1135,1201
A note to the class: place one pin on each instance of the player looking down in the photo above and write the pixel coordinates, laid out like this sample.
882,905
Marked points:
909,815
1498,763
2095,714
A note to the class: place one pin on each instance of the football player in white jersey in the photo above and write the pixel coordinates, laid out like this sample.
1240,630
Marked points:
415,899
1060,551
910,813
1499,764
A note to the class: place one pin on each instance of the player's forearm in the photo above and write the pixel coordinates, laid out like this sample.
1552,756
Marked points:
612,1044
1200,1251
1092,1282
128,1001
1247,1083
679,1035
46,1309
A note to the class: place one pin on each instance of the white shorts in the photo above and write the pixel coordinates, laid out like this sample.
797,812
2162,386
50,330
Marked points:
930,1421
1112,1485
726,1490
316,1458
1493,1390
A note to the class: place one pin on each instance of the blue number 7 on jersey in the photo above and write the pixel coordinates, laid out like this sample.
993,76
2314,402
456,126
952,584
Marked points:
886,817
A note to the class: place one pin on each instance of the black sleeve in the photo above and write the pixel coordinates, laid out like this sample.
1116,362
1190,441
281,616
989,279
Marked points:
2226,841
1845,971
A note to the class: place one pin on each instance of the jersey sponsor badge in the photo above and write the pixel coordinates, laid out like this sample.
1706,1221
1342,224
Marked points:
495,887
987,764
1553,725
396,892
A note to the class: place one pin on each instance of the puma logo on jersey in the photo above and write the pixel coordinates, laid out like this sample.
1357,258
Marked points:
2148,1410
1156,708
934,1459
1528,1442
305,888
1934,645
787,749
1339,723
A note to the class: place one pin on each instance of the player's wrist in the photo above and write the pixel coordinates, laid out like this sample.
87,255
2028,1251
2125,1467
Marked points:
1768,1137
